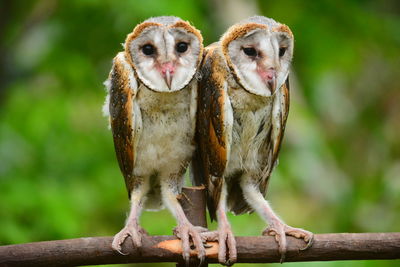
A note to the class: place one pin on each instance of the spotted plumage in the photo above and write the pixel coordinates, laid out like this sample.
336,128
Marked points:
243,109
151,103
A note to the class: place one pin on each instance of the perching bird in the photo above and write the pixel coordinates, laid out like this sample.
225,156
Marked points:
152,102
243,107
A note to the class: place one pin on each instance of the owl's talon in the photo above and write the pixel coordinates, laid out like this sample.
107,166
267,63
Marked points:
207,245
227,245
187,232
135,232
209,236
120,251
282,259
280,230
310,241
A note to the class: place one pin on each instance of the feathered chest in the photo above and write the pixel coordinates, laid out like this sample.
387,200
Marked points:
152,102
167,131
251,126
243,101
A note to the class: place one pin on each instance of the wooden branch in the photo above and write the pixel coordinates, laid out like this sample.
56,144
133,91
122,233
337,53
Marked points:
97,250
193,202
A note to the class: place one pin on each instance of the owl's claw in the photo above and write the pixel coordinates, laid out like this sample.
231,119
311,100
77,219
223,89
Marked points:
227,243
186,233
309,240
135,232
281,230
209,236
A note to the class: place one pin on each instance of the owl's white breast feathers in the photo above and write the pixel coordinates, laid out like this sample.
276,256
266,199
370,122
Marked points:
251,125
165,145
163,125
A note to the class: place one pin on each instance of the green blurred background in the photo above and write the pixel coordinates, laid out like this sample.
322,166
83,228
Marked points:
340,163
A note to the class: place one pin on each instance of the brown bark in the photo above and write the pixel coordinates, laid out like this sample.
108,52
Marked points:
97,250
193,202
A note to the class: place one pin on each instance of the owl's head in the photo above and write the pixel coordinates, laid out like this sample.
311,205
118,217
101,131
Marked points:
258,51
165,52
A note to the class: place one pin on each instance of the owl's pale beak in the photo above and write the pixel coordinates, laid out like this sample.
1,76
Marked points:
269,77
272,85
167,70
168,79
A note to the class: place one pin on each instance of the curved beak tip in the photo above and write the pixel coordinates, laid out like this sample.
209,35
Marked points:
272,85
168,79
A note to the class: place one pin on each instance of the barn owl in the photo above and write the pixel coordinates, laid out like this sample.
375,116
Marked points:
151,104
243,108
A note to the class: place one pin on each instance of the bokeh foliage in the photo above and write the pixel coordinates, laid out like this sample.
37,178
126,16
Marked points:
339,166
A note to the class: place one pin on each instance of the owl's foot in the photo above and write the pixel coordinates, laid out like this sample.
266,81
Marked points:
186,232
227,244
134,231
280,230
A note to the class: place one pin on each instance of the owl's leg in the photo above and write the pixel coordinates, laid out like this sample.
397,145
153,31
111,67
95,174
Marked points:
132,227
276,226
185,230
226,239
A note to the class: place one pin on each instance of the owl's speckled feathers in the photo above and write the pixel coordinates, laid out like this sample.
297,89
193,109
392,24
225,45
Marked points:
243,109
222,98
152,105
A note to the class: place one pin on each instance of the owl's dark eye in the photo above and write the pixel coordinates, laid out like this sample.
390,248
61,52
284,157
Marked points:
250,51
181,47
148,49
282,51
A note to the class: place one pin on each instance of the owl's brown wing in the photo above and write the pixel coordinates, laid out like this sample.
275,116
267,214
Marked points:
213,120
122,91
280,112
